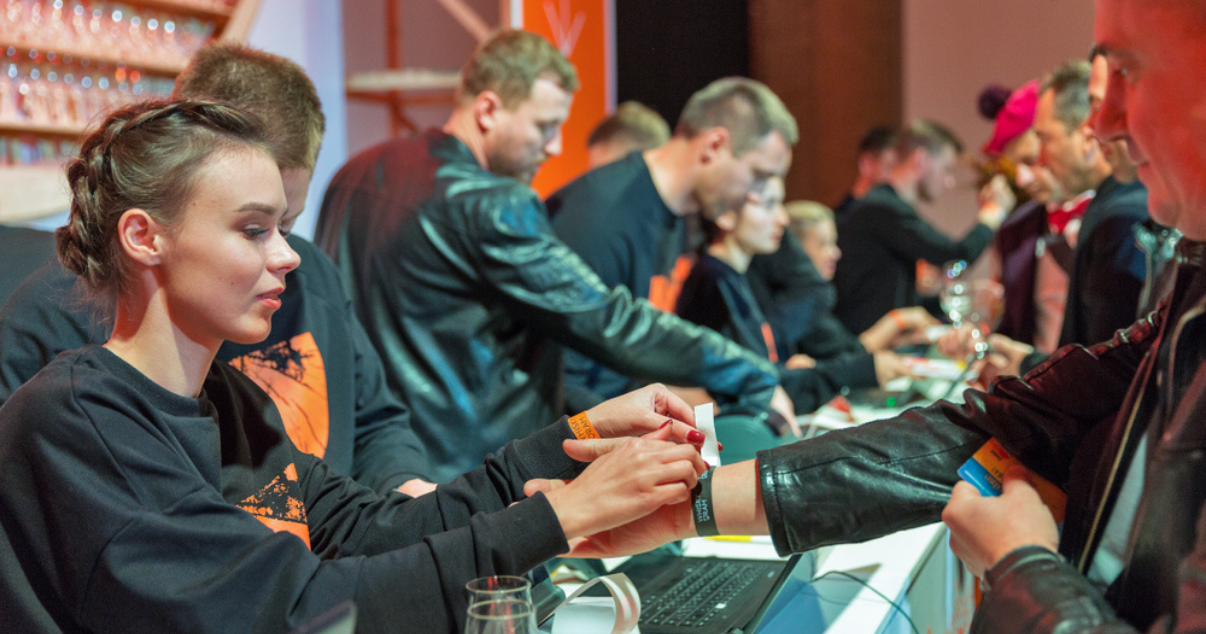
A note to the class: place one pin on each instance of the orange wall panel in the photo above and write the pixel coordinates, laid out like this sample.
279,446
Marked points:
582,29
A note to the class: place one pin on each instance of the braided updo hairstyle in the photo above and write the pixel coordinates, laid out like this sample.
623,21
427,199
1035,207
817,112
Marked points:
144,156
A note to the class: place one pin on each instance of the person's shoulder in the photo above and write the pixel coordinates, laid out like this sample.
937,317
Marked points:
1126,199
377,167
609,181
483,201
51,303
51,282
878,200
1028,213
73,378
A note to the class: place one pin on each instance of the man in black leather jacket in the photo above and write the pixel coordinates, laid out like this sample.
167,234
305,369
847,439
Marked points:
1120,425
464,289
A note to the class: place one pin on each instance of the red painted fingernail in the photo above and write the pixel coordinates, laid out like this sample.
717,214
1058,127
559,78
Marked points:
695,436
664,424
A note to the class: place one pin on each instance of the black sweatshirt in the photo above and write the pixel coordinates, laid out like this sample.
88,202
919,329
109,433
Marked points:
882,237
127,508
716,296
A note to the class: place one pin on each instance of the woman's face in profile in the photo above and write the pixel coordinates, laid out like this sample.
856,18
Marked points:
226,257
820,243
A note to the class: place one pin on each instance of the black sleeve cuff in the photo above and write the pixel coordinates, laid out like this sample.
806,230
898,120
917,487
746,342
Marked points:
1016,558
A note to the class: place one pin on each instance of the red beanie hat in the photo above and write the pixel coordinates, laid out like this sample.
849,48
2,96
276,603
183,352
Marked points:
1015,117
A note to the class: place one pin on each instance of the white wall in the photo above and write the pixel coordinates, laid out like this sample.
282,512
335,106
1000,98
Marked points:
954,48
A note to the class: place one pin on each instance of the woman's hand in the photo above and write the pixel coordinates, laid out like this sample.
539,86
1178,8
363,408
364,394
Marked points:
643,411
985,529
899,327
782,404
800,362
889,366
626,480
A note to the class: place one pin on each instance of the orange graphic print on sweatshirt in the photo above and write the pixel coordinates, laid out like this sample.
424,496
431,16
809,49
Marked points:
292,373
279,505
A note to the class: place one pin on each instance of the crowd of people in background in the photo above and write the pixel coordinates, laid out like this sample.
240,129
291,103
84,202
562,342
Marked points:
208,423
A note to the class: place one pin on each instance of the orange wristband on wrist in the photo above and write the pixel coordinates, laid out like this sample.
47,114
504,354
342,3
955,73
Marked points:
583,430
898,319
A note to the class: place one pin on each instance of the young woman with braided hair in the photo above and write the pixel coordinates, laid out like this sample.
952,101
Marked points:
145,487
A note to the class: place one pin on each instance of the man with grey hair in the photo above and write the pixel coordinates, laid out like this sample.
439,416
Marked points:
462,286
625,219
1104,269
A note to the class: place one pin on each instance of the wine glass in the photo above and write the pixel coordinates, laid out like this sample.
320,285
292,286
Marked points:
956,294
501,616
499,587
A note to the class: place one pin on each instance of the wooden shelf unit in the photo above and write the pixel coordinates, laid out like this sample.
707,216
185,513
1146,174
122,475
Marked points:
28,192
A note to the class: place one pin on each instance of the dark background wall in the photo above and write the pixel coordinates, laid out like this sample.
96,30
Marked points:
668,49
835,63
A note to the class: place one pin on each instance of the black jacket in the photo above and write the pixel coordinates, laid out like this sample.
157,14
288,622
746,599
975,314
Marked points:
1076,420
125,507
1108,268
881,238
317,363
24,251
468,295
1015,243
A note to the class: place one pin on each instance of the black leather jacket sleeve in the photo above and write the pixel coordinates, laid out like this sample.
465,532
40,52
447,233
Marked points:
862,483
541,278
1033,590
1043,594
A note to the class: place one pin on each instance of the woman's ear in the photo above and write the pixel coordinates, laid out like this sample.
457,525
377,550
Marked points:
727,221
142,237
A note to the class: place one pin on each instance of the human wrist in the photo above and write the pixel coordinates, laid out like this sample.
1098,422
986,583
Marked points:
991,214
582,428
703,512
574,521
898,320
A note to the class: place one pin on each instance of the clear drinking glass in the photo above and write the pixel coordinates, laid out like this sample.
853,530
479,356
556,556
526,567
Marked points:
500,587
956,294
501,616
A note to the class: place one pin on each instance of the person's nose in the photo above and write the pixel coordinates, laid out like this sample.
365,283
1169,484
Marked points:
282,258
1025,176
781,217
553,147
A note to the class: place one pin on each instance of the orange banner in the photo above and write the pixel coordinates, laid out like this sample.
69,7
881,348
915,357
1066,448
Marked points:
584,31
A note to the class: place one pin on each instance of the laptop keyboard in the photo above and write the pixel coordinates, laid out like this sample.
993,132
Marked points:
703,594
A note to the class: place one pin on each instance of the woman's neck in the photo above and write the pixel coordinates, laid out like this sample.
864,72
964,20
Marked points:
728,252
145,337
